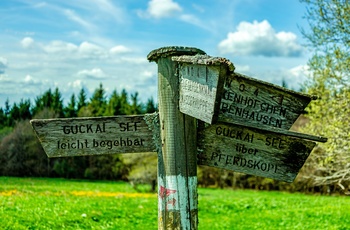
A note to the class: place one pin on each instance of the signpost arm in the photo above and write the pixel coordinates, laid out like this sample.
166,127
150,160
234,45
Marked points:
177,164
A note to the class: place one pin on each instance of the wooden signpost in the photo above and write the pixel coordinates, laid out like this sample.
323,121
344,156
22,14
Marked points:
94,136
276,154
177,162
251,101
245,130
201,84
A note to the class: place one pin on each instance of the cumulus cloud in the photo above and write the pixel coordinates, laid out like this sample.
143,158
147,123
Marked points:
89,50
70,50
60,46
27,42
119,50
295,76
28,79
161,9
299,74
77,84
260,39
95,73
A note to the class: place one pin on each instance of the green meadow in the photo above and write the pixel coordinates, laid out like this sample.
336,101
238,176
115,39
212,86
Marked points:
40,203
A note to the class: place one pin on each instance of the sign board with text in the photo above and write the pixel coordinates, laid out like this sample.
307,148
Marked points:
250,101
268,153
201,79
94,136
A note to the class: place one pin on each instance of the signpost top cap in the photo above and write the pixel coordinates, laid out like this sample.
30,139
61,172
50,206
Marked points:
205,60
167,51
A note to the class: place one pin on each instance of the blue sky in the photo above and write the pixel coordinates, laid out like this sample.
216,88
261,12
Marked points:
82,43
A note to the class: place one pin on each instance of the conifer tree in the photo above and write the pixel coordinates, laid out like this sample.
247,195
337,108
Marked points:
71,110
150,106
114,104
81,99
24,109
136,106
57,102
98,102
124,104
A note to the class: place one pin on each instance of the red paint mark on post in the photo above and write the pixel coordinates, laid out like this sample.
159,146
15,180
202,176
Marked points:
164,192
171,202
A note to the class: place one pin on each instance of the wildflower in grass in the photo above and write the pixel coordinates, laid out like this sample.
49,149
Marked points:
112,194
8,193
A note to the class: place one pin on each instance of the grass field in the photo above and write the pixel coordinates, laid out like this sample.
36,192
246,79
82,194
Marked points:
36,203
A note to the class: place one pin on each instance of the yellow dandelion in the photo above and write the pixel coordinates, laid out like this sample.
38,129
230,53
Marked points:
8,193
112,194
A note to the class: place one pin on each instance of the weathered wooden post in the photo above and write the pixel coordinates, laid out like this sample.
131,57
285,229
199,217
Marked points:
177,162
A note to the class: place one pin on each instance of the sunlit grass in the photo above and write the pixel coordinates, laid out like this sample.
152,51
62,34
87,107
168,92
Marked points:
31,203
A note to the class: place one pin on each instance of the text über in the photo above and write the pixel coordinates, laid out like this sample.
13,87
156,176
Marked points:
244,139
249,150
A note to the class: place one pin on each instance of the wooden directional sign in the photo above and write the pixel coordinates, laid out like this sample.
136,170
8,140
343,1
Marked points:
94,136
250,101
273,153
247,134
201,79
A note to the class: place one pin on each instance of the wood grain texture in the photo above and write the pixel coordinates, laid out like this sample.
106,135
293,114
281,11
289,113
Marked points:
254,151
177,164
250,101
201,85
94,136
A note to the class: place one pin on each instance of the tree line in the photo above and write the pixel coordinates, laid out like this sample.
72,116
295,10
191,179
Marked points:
21,153
98,105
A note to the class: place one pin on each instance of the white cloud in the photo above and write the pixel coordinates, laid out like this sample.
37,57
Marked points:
110,10
27,42
95,73
299,74
132,60
192,19
70,51
259,38
89,50
242,68
119,50
28,79
148,73
77,84
295,76
71,15
161,9
60,47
